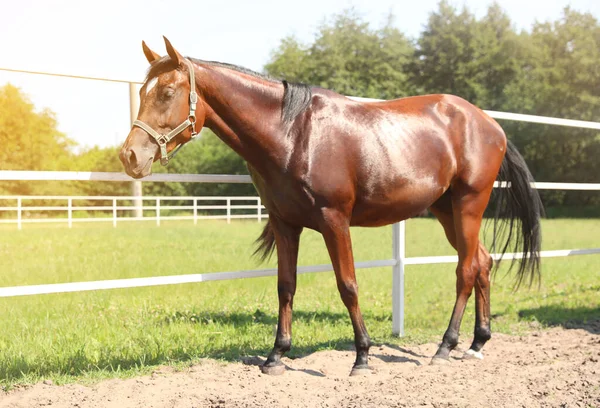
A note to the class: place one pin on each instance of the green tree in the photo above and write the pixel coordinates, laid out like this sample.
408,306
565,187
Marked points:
460,55
559,77
348,56
29,140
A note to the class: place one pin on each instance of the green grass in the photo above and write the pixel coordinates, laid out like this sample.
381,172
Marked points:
124,332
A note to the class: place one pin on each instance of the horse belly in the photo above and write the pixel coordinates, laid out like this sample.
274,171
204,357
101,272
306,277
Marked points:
397,205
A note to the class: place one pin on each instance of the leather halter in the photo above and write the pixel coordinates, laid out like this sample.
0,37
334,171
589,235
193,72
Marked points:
162,140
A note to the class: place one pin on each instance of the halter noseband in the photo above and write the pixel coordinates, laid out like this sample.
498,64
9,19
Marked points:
162,140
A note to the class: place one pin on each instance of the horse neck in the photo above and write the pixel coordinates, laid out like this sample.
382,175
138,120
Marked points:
245,112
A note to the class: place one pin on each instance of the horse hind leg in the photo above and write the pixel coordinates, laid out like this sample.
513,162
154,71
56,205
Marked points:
468,206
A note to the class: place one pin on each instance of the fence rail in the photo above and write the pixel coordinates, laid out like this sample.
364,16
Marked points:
229,210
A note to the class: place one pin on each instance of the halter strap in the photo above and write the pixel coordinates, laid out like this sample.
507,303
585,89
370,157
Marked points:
162,140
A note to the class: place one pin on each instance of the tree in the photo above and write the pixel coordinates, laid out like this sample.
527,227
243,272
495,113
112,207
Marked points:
457,54
29,140
349,57
559,77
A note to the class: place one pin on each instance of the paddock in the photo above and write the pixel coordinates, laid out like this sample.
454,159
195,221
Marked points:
205,331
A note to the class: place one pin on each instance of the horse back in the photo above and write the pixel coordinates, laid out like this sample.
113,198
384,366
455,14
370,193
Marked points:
395,157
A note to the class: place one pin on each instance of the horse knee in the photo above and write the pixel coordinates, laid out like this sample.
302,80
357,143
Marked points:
286,292
349,292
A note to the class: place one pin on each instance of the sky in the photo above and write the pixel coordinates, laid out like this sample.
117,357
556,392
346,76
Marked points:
103,39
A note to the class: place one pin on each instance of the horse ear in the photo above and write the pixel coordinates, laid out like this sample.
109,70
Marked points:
151,56
175,56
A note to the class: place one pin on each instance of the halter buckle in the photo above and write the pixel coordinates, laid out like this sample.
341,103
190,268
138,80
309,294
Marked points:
192,119
162,140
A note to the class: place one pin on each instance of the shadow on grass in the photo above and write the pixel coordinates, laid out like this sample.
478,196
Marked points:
79,363
259,317
586,318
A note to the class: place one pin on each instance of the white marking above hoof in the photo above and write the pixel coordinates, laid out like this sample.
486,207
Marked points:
471,354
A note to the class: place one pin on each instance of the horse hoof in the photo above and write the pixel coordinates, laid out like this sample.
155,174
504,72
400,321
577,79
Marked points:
439,361
273,370
472,355
360,372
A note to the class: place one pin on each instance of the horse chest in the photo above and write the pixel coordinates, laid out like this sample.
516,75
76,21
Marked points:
284,198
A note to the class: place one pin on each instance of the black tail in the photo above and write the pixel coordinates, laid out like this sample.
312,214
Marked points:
518,207
266,243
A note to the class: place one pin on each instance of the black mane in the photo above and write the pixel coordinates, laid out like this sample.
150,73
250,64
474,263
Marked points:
296,99
296,96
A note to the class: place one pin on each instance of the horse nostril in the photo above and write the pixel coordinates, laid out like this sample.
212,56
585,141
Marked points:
131,158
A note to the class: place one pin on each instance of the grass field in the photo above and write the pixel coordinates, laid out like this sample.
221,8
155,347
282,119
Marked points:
91,335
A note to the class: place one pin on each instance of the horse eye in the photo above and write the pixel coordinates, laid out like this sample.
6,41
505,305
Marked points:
167,93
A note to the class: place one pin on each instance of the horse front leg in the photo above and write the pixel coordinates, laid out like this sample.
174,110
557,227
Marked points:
336,232
287,240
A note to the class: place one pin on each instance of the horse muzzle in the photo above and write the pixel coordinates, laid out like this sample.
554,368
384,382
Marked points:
137,162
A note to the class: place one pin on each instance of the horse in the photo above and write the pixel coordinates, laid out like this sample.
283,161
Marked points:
322,161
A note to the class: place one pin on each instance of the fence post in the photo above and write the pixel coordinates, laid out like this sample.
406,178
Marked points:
228,211
114,212
70,212
19,212
195,211
399,253
158,212
258,209
136,186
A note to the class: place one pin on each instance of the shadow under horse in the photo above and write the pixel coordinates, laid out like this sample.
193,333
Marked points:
322,161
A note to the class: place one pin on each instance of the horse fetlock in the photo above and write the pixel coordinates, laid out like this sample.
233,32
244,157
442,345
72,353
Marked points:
283,344
363,344
483,334
450,340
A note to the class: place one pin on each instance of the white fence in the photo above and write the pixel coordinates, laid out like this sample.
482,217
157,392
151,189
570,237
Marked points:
397,262
153,208
69,212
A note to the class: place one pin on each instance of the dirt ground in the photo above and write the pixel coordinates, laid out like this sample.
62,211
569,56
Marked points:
551,368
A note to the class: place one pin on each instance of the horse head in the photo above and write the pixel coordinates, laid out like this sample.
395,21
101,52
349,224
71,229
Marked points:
169,114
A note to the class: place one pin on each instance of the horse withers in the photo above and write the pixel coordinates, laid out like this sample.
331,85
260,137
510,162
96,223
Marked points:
322,161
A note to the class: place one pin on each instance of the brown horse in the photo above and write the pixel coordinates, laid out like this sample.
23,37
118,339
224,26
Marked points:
322,161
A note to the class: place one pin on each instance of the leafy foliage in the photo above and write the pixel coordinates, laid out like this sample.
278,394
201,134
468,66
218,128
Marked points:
349,57
30,140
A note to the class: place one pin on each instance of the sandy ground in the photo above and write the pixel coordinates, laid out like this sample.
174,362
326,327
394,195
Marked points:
552,368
